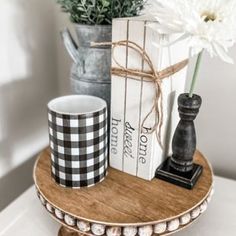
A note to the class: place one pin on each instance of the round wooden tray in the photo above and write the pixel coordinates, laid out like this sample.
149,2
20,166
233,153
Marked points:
122,203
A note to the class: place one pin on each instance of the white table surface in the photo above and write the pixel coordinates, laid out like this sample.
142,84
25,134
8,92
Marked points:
26,217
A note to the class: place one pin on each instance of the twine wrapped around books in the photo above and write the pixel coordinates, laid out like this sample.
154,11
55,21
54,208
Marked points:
150,75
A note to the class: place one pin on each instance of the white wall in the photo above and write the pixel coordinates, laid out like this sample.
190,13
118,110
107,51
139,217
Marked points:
63,59
28,79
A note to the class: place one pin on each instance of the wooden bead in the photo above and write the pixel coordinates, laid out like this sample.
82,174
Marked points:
185,219
69,220
160,228
59,214
130,231
210,195
173,225
43,201
208,199
203,206
49,207
195,213
98,229
145,230
212,192
113,231
83,225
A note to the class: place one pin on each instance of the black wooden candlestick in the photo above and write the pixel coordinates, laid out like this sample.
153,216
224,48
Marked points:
179,169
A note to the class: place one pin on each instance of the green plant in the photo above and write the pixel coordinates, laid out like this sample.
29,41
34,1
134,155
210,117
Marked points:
100,12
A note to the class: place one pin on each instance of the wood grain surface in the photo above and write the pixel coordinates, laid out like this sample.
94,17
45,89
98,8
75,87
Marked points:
122,199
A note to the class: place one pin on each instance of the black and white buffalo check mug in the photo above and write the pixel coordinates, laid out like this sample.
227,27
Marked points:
78,140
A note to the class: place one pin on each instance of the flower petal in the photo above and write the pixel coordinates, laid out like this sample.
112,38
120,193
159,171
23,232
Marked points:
220,51
215,36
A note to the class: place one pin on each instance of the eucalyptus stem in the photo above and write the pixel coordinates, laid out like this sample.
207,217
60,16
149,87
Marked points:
196,70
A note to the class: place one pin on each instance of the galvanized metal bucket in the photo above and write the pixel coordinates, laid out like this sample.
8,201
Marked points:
90,72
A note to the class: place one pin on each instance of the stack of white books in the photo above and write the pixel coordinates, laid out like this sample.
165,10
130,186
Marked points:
133,148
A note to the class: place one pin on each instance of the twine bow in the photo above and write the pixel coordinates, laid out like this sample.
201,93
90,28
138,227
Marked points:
150,75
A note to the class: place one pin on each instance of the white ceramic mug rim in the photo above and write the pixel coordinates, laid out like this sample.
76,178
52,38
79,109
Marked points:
60,99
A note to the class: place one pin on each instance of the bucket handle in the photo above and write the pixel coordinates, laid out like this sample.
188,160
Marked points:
70,45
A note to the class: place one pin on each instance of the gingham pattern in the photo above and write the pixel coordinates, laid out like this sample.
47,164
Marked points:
78,148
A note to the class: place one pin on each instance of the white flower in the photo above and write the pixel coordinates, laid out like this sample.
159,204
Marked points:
207,24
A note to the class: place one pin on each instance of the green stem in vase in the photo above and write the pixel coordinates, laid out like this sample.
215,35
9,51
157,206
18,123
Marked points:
196,70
